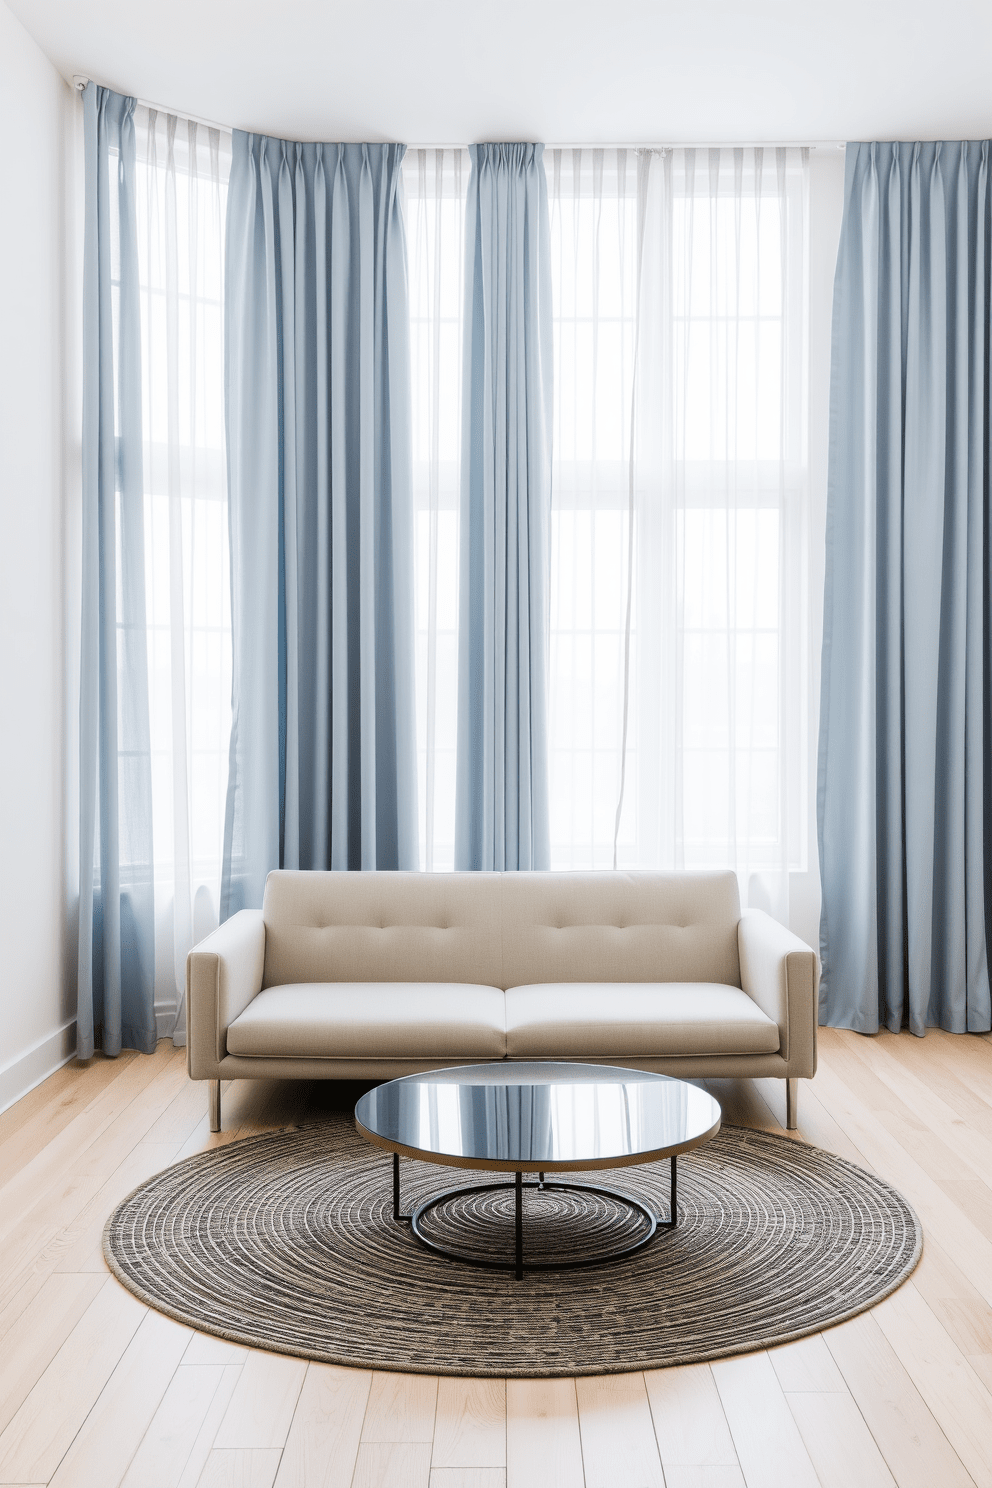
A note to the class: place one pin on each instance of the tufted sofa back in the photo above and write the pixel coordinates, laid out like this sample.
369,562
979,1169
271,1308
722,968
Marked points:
501,929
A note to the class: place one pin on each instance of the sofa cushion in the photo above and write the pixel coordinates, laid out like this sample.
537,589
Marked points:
372,1020
382,927
585,1020
623,926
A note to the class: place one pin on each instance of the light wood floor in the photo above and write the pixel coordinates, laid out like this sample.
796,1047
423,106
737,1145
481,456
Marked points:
97,1391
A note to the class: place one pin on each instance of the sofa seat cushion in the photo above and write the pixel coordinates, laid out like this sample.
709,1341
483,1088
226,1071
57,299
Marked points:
634,1019
372,1020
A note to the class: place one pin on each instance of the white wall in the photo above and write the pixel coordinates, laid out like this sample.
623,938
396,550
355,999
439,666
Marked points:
36,1019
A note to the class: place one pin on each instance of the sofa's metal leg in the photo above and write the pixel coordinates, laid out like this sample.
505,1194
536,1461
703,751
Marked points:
791,1104
215,1105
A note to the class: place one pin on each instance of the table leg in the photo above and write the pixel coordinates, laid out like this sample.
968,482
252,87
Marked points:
520,1225
673,1214
396,1189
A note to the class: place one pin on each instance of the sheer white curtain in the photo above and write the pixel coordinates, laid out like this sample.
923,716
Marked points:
679,548
594,244
182,174
435,183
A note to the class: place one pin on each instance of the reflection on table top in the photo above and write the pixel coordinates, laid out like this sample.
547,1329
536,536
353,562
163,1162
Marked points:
538,1115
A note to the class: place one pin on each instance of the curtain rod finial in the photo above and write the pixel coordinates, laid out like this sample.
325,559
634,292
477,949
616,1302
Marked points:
79,81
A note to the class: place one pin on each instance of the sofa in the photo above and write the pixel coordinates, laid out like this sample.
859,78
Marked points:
371,975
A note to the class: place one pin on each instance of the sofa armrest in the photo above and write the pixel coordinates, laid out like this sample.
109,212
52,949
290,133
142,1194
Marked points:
782,975
223,974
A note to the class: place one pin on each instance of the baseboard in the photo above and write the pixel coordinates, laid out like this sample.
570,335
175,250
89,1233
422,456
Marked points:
165,1020
29,1069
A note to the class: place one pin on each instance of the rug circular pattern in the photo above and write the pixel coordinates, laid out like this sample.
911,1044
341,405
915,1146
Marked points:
287,1241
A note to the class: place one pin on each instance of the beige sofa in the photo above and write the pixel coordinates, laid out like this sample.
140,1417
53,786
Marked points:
372,975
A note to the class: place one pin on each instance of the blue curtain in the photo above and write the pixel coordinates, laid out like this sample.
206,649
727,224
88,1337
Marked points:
905,771
116,947
501,792
323,744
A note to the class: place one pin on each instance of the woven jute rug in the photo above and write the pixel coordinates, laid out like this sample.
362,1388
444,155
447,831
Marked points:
287,1241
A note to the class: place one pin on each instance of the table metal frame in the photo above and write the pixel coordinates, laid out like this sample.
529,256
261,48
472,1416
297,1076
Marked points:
518,1265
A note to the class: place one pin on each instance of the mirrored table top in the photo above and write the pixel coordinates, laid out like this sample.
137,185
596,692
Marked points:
537,1117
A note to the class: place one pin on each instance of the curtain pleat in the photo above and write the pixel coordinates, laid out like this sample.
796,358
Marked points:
501,801
322,759
905,782
116,945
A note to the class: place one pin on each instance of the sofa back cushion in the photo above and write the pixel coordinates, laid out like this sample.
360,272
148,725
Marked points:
382,927
501,929
620,927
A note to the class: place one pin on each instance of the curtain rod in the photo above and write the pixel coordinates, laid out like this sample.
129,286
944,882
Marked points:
672,145
81,79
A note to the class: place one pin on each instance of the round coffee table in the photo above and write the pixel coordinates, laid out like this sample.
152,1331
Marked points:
536,1118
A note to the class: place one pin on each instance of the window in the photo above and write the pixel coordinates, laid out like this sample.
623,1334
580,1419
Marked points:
678,644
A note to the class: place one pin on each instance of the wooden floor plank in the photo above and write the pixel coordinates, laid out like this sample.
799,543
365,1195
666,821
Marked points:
942,1077
69,1194
910,1439
262,1406
689,1421
618,1440
841,1447
204,1348
42,1328
470,1424
941,1373
42,1248
102,1449
684,1475
43,1098
818,1126
468,1477
969,1056
963,1241
962,1310
78,1246
806,1364
322,1446
181,1116
389,1464
167,1445
766,1438
30,1125
972,1196
543,1444
203,1445
69,1156
240,1468
401,1408
42,1429
950,1147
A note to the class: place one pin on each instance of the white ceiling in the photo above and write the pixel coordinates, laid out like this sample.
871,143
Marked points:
562,71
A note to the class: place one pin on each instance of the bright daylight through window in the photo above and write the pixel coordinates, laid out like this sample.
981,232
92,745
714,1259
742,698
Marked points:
678,683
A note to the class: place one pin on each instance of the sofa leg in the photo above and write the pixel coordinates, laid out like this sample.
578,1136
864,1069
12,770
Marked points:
791,1104
215,1105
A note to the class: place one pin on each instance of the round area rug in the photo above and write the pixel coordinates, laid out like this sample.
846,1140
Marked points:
287,1241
